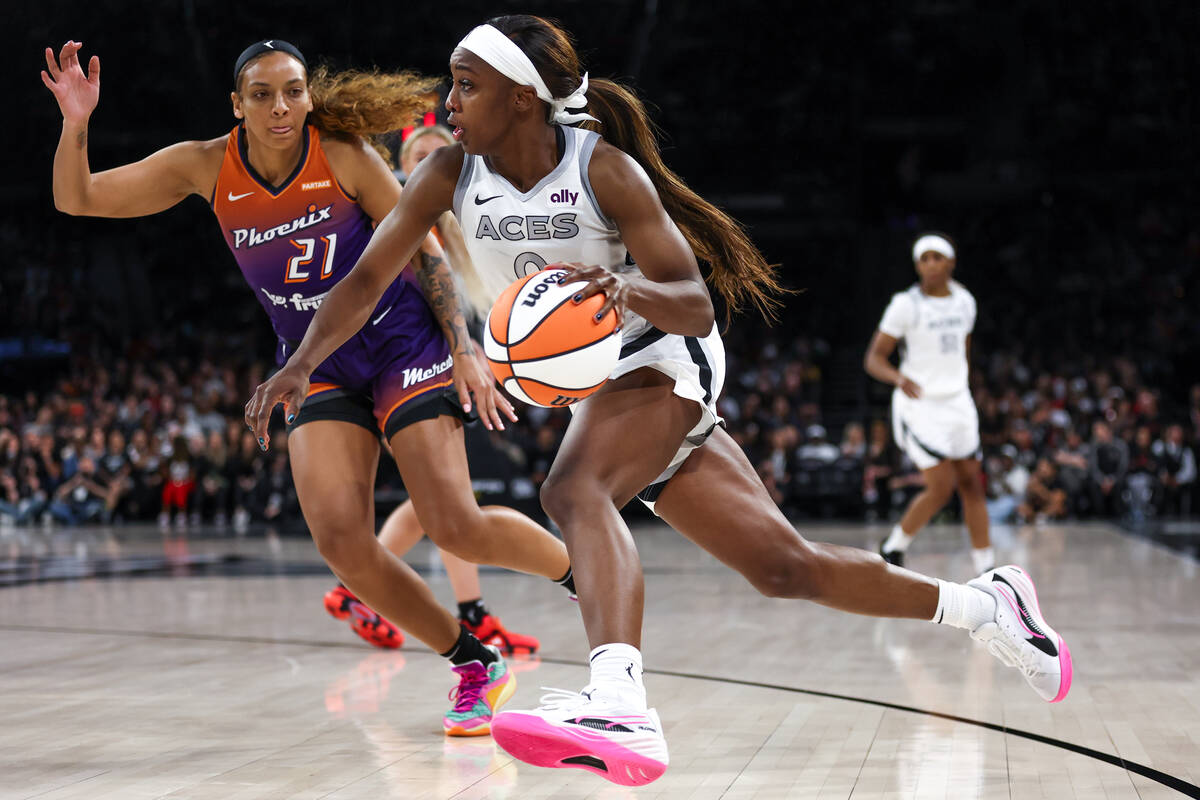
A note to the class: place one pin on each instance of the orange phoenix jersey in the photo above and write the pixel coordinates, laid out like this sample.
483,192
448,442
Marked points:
293,242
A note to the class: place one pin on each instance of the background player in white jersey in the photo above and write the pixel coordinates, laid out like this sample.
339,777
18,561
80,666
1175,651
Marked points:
933,416
652,430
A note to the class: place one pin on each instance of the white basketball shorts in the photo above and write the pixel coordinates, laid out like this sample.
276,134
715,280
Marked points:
697,365
932,430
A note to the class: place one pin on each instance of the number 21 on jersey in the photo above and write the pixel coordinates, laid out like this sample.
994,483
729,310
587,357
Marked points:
295,272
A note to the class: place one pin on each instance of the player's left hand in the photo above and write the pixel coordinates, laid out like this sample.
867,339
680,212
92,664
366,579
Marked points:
288,386
472,377
601,280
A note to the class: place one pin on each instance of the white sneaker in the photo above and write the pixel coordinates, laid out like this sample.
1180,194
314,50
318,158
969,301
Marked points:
1019,635
586,731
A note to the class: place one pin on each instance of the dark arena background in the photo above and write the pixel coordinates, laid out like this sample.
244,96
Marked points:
177,651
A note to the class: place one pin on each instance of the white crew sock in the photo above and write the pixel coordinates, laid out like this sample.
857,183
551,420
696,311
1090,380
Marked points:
983,559
963,606
617,671
899,540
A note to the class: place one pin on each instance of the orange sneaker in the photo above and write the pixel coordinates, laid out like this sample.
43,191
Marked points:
490,631
341,603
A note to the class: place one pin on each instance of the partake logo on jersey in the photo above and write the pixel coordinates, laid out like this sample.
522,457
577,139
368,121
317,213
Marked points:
308,187
253,237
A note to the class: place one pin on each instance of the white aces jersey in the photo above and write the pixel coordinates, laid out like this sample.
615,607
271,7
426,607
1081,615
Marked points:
934,333
511,234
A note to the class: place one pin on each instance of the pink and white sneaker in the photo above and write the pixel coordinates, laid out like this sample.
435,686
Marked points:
586,731
1019,635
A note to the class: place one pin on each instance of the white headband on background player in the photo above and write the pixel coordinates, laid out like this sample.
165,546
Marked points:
937,244
510,60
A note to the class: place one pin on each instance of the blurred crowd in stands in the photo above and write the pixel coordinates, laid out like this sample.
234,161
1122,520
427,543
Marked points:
163,439
1056,155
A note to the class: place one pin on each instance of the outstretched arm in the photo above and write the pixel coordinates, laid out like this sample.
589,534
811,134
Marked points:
146,187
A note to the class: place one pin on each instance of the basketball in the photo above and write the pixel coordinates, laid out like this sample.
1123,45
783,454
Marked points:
546,349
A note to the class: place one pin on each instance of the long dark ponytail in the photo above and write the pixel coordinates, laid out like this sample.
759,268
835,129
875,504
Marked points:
739,272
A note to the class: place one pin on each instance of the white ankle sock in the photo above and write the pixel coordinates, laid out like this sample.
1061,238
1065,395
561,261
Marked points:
983,559
963,606
899,540
617,670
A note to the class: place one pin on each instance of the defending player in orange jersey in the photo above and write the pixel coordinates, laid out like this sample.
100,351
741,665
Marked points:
296,189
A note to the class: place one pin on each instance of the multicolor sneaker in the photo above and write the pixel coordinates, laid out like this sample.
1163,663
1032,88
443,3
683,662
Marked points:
480,691
573,730
341,603
490,631
1019,635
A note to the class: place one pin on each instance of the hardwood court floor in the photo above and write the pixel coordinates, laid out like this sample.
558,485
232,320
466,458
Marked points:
201,684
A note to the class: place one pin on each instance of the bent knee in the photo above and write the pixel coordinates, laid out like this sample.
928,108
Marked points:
563,493
346,548
792,574
458,529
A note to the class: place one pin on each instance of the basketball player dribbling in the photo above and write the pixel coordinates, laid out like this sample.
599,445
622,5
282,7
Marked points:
296,192
633,229
933,416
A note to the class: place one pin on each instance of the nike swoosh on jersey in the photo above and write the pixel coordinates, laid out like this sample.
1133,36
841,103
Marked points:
480,201
233,198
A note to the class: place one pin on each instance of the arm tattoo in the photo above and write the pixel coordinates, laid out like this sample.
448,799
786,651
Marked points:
437,284
81,139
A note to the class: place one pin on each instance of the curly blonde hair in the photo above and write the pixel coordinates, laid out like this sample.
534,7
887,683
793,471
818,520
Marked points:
368,104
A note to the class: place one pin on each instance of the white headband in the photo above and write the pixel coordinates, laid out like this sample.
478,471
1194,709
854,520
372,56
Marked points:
932,242
510,60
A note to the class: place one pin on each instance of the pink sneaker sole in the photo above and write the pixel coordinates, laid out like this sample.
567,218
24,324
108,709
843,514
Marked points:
535,741
1064,652
1064,661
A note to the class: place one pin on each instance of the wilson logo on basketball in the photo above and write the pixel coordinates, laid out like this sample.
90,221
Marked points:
544,348
543,286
